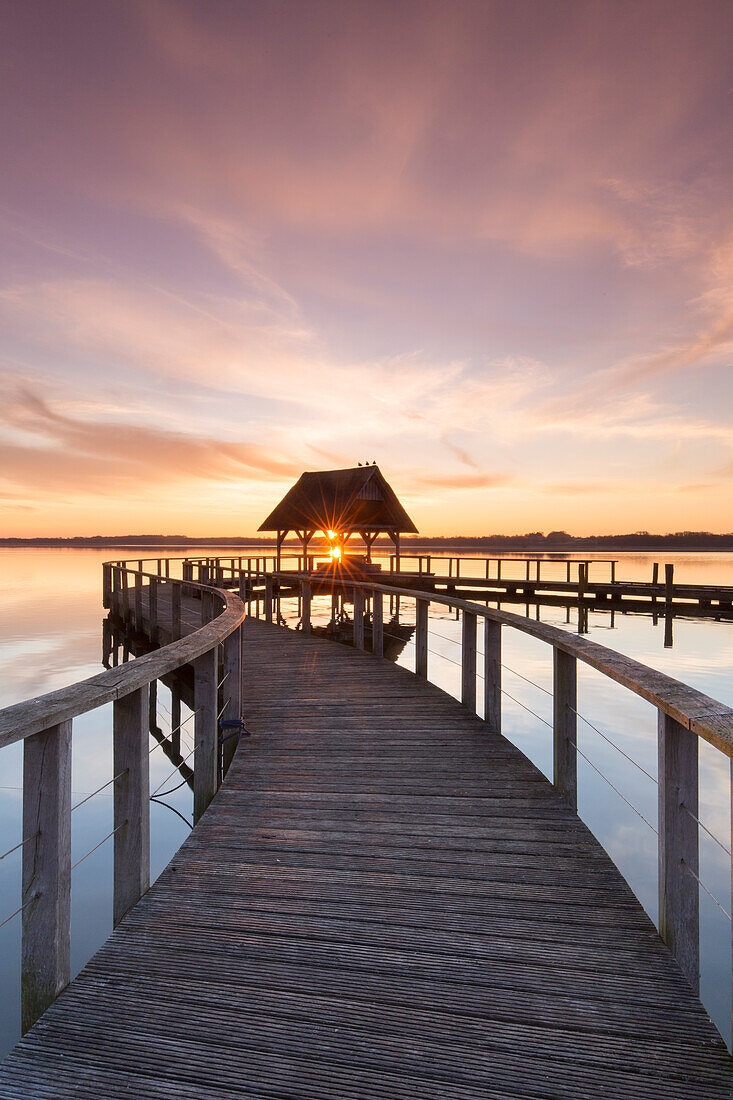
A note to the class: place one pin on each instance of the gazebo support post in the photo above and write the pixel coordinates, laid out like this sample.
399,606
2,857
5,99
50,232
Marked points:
281,536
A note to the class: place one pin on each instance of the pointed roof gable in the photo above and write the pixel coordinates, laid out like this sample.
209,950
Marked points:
359,499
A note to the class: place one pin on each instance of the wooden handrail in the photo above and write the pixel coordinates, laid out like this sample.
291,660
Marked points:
24,719
694,710
44,725
684,714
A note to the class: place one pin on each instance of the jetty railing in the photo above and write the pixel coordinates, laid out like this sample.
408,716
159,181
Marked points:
45,724
569,570
684,715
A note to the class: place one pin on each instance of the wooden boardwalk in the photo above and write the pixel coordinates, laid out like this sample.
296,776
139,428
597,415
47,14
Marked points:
384,899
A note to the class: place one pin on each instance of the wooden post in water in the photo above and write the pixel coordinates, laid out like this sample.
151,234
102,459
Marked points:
232,689
669,586
679,894
205,731
492,674
307,596
131,801
268,599
176,719
358,618
468,660
421,638
565,735
46,940
378,624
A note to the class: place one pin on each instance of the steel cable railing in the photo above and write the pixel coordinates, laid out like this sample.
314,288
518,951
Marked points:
99,845
20,909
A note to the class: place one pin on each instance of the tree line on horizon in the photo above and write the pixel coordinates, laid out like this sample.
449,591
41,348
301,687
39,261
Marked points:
535,540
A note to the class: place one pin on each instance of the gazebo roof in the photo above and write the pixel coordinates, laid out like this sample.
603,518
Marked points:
359,499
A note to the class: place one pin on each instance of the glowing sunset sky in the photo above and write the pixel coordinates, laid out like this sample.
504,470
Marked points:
488,244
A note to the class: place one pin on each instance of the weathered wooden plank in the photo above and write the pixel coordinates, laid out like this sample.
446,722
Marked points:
386,899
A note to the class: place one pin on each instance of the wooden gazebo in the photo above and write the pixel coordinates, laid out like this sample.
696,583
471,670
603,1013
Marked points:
340,503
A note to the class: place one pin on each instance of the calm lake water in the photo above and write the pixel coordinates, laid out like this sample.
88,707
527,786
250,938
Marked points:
50,636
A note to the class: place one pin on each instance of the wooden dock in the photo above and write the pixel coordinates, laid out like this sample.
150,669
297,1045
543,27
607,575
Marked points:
385,898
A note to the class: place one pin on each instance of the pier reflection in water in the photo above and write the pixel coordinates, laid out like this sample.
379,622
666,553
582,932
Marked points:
51,637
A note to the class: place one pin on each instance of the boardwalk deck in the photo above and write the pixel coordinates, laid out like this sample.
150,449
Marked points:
383,899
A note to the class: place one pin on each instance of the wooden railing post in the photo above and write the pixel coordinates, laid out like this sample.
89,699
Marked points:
131,801
268,599
377,624
492,674
106,585
468,660
205,731
679,895
421,638
564,705
152,705
139,600
359,618
176,611
232,689
46,942
124,588
153,606
305,619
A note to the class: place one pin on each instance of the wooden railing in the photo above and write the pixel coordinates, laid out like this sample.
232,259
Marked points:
452,566
495,568
684,715
44,725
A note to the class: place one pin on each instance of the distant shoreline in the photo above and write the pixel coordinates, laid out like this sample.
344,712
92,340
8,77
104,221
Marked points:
531,543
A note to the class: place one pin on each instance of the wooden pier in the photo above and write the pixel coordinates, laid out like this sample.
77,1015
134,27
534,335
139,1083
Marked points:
578,586
385,897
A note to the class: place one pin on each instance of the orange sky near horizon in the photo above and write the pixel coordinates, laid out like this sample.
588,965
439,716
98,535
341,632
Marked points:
489,245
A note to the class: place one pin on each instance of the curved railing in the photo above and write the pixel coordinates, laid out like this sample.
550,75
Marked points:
44,725
684,715
152,601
